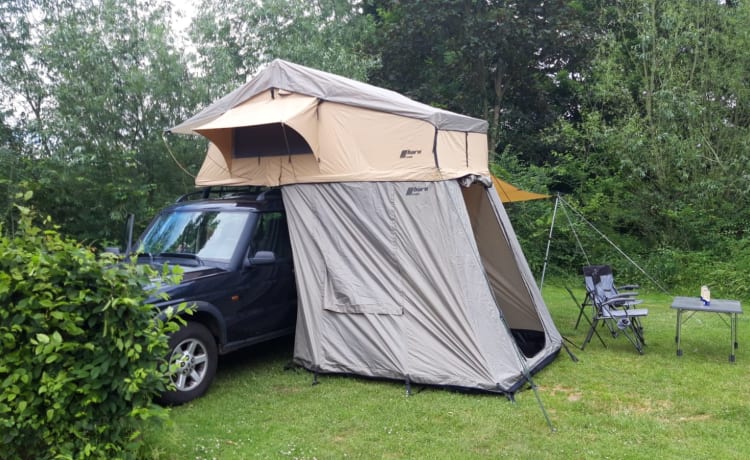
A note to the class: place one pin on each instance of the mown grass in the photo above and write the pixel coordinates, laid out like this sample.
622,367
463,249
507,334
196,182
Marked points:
612,403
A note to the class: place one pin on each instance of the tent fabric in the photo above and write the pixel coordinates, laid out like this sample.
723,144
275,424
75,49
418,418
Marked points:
392,284
296,111
506,267
407,266
509,193
287,76
347,144
355,132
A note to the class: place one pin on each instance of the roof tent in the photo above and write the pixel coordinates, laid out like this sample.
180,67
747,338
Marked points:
407,265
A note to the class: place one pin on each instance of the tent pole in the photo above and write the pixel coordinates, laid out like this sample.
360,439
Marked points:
573,230
549,242
541,405
573,357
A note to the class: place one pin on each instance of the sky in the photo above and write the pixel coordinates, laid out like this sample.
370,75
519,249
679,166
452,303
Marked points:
182,13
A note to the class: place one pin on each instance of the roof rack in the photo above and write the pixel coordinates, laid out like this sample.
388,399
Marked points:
250,191
253,192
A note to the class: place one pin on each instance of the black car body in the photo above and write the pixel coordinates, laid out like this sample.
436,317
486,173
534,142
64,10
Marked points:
236,258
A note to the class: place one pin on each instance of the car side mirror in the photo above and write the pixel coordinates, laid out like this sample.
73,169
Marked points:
261,258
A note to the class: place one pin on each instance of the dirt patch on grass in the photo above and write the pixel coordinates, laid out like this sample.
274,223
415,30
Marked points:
287,389
695,418
572,394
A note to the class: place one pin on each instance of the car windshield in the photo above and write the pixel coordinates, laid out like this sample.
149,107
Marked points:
204,235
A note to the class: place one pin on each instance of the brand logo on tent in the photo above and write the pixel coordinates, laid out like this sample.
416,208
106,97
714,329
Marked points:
415,190
409,153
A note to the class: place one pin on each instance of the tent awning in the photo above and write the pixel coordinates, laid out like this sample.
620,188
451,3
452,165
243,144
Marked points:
282,109
509,193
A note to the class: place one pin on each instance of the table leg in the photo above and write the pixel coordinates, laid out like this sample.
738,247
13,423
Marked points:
733,327
677,337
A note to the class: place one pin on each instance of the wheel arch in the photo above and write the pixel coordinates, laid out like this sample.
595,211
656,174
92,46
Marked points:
209,316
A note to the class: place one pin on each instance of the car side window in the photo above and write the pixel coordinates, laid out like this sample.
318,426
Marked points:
272,234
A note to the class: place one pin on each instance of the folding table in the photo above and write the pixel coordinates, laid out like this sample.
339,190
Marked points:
693,305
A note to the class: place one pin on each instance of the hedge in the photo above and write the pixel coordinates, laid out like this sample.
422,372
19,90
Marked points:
81,353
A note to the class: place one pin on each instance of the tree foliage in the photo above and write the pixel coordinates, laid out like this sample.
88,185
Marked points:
511,63
638,110
665,128
92,86
235,38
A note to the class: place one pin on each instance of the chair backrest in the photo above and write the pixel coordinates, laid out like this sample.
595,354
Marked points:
600,283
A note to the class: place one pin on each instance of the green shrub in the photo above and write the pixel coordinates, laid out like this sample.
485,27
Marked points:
80,350
723,270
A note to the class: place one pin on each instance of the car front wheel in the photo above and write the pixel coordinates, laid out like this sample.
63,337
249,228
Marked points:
192,359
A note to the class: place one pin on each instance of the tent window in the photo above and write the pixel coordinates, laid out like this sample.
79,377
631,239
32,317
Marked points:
268,140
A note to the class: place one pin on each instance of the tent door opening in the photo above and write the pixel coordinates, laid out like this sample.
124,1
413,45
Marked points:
513,297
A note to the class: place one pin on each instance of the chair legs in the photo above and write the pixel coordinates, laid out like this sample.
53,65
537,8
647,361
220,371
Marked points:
634,333
629,326
617,310
582,313
592,331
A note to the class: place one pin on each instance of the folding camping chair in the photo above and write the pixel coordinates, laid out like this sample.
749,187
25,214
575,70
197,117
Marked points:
613,306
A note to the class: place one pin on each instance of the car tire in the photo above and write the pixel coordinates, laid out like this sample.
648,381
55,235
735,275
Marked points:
193,352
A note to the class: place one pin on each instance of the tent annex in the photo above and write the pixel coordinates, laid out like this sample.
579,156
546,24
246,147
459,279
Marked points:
407,265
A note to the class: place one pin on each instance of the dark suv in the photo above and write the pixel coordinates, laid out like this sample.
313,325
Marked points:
236,257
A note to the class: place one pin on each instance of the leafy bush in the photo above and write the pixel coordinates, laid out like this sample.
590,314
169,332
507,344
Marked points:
80,350
723,271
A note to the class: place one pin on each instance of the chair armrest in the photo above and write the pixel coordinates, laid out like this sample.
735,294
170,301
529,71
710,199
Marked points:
623,296
624,300
628,287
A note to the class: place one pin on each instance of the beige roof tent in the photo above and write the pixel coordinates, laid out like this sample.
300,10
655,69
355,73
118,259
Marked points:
407,265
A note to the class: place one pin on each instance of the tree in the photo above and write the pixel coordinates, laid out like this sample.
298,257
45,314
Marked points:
93,84
234,38
665,124
511,63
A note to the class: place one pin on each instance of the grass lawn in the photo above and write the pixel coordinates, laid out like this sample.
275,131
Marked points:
613,403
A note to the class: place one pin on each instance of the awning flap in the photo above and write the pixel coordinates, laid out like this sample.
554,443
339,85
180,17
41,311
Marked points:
509,193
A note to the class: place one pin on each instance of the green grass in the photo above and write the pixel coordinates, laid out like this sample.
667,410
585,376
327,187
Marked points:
613,403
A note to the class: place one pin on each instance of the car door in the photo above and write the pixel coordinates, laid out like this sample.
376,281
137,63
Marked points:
269,291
